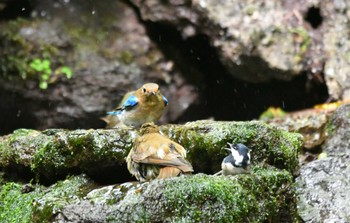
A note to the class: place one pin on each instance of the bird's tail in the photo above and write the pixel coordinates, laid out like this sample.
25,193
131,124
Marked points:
218,173
167,172
112,121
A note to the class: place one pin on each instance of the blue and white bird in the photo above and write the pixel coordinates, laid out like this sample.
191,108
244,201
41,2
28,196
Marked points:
237,162
138,107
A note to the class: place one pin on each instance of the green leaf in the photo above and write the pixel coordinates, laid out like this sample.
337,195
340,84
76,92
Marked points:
46,64
43,85
67,71
45,76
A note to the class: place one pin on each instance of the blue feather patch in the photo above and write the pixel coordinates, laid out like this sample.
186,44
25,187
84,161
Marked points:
114,112
130,102
165,100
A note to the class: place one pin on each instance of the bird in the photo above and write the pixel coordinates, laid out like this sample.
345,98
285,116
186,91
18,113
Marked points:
237,162
138,107
155,156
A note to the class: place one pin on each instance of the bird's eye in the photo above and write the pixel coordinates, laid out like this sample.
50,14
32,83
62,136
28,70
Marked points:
144,90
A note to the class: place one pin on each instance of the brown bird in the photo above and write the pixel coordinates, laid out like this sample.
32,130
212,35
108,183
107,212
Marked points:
138,107
156,156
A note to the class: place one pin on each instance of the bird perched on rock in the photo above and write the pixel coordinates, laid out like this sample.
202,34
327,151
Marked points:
137,107
156,156
237,162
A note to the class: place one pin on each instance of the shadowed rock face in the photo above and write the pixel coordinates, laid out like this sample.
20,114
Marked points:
105,46
199,57
258,41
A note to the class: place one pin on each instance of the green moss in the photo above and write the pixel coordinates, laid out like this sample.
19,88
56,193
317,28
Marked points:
27,58
56,152
271,113
59,195
265,195
81,149
205,141
40,204
16,206
11,147
302,38
258,197
126,56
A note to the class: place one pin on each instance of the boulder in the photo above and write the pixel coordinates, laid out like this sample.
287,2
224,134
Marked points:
323,185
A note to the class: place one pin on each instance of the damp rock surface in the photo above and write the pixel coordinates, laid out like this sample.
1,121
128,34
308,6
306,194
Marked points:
55,153
264,195
323,185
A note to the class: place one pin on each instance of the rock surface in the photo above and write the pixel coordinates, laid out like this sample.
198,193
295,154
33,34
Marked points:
106,48
258,41
53,154
264,195
324,185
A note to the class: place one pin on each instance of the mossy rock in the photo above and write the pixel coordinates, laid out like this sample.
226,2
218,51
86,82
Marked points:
265,195
58,152
205,141
17,201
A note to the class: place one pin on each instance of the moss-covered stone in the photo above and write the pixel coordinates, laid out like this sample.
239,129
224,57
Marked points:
16,206
52,153
56,152
28,56
205,141
266,195
54,198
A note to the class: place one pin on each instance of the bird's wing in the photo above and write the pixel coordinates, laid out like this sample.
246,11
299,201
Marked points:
166,102
130,102
169,160
125,98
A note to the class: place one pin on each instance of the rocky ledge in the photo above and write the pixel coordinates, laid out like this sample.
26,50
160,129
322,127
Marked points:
267,194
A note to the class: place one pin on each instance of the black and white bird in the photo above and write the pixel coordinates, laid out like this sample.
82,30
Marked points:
237,162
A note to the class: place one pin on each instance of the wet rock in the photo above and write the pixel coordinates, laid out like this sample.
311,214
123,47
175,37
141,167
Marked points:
264,195
336,45
311,124
338,142
323,185
106,48
251,37
323,190
258,41
55,153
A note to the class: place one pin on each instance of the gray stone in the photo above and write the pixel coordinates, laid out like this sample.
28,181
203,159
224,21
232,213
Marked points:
258,41
324,190
323,186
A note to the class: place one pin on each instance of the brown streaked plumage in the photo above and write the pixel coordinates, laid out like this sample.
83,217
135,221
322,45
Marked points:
156,156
